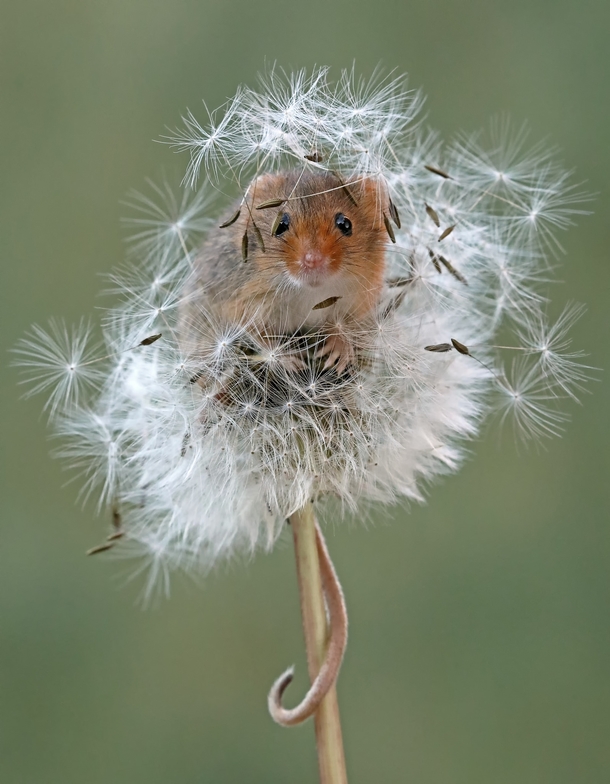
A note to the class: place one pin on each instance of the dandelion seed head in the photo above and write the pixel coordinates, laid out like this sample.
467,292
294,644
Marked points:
208,437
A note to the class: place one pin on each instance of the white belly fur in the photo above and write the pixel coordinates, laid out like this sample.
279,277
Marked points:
300,299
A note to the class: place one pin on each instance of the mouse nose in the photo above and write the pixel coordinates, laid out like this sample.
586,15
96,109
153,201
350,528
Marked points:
314,260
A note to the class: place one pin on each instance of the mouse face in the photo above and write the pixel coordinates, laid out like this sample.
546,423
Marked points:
322,230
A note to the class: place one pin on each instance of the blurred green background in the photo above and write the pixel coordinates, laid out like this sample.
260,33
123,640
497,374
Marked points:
480,625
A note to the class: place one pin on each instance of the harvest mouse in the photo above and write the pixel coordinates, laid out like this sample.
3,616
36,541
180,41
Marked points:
304,251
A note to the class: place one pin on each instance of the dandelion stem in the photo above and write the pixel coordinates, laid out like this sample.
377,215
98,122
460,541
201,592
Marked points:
327,721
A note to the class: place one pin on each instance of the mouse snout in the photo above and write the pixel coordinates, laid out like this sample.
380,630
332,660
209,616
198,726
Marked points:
314,260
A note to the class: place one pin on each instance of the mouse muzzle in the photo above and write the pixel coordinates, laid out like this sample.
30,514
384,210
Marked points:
314,266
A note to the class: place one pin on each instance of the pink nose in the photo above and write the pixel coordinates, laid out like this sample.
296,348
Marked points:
314,260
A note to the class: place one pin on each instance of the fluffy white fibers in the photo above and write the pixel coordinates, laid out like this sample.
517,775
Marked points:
203,454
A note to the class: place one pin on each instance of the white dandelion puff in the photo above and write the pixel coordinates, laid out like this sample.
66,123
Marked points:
553,346
238,382
61,362
164,218
528,403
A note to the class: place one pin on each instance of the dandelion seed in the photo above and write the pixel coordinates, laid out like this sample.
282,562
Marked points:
231,220
389,229
101,548
326,303
446,233
433,215
439,348
116,536
150,340
460,347
265,205
60,362
440,172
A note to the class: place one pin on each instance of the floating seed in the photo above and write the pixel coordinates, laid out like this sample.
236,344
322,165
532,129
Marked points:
394,213
185,443
388,228
116,535
150,340
231,220
259,236
276,222
314,157
326,303
440,172
439,348
348,192
396,282
446,233
434,259
460,347
266,205
395,303
450,268
433,215
101,548
244,246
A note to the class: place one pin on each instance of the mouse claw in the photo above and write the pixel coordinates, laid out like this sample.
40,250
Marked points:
340,353
292,362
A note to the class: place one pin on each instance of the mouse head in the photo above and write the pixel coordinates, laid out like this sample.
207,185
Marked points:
315,227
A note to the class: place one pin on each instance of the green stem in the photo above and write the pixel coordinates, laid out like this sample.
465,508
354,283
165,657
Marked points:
327,722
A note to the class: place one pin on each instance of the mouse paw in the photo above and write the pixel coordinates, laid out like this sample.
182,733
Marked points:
339,352
292,362
274,352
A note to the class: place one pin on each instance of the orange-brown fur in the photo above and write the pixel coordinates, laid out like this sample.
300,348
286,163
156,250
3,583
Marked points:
267,285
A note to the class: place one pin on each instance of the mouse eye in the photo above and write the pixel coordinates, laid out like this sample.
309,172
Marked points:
282,225
343,224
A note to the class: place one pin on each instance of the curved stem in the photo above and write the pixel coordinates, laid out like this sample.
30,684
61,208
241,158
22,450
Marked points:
325,647
333,656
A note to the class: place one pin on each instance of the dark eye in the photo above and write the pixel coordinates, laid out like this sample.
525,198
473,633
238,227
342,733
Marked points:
281,225
343,224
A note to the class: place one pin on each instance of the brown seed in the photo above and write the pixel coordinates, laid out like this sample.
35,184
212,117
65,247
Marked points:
394,213
395,303
151,339
433,215
231,220
439,348
259,236
440,172
101,548
450,268
276,222
315,157
348,192
326,303
244,246
434,259
266,205
460,347
116,535
388,228
185,443
446,233
350,196
116,518
397,282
